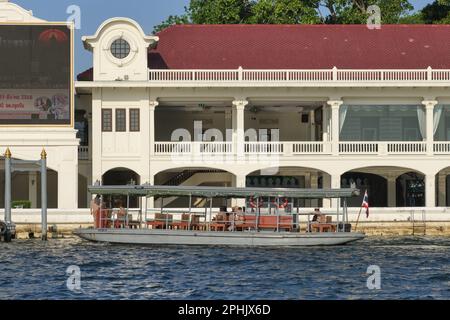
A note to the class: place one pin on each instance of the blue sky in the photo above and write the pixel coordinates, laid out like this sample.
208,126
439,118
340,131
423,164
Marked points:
93,12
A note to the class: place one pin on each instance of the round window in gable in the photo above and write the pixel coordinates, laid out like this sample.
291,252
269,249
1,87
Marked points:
120,49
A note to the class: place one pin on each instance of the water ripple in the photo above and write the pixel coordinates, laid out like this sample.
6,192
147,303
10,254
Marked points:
411,267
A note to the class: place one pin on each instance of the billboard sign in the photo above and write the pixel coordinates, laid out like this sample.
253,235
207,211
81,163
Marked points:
36,86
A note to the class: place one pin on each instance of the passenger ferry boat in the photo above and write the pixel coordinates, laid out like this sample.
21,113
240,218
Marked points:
269,220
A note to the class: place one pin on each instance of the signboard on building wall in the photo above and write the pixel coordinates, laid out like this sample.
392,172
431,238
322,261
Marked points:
36,74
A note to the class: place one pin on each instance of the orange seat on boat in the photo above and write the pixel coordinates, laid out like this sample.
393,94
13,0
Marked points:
270,222
161,221
183,224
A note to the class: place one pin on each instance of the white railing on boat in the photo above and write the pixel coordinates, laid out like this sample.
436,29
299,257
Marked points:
330,75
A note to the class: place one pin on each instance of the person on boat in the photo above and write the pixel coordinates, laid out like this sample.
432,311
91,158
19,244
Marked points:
318,216
95,210
121,214
238,218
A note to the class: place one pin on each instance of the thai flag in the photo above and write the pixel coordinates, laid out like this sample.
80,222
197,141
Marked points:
365,203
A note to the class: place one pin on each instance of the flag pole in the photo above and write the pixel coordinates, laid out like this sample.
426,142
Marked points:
357,220
360,210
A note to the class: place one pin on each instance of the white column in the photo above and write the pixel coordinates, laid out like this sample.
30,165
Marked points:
442,195
335,184
335,105
314,184
151,124
151,201
430,191
312,125
326,123
326,185
32,189
239,181
429,107
239,126
96,132
89,120
392,190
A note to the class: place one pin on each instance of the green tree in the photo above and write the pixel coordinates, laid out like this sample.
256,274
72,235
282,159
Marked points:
220,11
171,20
285,12
355,11
436,12
290,12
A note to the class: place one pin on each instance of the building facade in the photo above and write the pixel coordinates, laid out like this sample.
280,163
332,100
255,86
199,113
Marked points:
305,106
259,105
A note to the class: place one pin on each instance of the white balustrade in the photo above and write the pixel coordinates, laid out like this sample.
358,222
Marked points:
442,147
358,148
295,148
295,76
382,148
168,148
406,147
264,147
216,147
311,148
194,75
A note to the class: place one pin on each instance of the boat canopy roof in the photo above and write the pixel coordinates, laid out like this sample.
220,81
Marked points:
226,192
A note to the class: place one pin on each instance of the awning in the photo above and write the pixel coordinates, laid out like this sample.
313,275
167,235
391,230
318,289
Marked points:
222,192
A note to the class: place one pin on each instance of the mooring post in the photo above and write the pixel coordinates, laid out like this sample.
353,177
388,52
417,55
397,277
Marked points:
44,194
8,186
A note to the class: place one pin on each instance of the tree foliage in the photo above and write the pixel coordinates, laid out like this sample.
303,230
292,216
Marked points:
284,12
306,12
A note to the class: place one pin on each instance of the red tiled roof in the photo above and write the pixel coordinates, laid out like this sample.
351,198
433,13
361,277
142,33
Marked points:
302,47
87,75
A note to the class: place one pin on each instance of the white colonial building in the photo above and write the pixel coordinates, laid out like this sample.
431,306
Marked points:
307,106
265,105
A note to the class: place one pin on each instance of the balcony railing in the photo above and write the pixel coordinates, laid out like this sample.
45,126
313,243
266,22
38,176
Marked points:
442,148
171,148
382,148
289,148
296,76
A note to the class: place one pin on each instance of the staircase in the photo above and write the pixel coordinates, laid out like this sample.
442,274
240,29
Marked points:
190,178
419,225
179,178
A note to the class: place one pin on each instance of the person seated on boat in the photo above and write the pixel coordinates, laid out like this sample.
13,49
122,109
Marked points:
120,214
319,217
238,219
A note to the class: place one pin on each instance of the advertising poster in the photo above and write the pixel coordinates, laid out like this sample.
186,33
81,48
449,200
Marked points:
35,75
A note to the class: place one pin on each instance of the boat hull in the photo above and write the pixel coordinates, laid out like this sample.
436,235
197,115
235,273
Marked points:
170,237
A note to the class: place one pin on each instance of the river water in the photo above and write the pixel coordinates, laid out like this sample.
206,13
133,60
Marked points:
410,268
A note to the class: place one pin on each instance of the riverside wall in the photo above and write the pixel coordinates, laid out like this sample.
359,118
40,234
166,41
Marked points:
381,222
